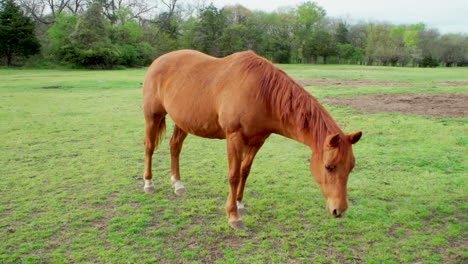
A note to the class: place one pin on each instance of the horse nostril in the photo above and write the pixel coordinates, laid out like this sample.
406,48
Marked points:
336,213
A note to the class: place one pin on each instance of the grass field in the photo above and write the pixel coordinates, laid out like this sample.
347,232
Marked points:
71,162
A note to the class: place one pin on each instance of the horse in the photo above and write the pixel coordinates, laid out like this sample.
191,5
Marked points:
242,98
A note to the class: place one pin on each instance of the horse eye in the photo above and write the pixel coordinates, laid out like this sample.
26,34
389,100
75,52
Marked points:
329,167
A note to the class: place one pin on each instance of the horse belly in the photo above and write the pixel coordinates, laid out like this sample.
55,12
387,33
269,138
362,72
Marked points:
198,123
205,130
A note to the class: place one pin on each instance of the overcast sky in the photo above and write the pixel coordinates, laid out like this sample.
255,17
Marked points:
449,16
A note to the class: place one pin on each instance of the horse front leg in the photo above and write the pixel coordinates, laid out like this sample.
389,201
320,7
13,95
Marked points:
235,145
248,156
176,147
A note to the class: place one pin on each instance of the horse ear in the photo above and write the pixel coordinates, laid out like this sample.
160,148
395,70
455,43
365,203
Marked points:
333,140
354,138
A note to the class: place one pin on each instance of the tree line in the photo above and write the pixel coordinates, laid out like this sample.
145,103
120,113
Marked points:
130,33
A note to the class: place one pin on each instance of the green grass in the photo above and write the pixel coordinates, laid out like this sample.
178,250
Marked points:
71,161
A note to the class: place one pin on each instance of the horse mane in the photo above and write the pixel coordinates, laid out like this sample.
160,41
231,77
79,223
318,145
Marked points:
287,99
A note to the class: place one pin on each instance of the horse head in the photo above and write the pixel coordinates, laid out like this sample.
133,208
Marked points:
331,169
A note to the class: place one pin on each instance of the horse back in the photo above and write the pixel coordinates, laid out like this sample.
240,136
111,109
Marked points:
205,96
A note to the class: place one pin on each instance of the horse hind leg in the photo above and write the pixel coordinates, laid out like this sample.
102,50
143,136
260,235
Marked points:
177,140
155,126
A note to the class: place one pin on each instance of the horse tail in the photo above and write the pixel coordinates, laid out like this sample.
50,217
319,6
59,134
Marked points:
155,114
160,131
155,128
155,117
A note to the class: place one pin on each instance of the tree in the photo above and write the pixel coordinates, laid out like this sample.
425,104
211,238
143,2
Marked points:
345,51
16,33
239,37
341,34
91,28
280,50
384,43
126,35
358,56
428,45
59,33
209,30
324,45
453,49
126,30
277,37
90,45
398,50
308,15
358,35
237,14
47,11
138,8
429,62
37,9
310,50
411,39
243,31
168,24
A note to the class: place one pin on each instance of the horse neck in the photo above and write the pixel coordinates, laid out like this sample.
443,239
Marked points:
296,113
310,126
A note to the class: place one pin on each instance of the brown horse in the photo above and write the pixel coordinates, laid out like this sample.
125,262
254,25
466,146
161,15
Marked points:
242,98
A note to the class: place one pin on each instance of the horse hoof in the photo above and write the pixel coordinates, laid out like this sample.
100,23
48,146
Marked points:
180,191
238,225
150,190
242,211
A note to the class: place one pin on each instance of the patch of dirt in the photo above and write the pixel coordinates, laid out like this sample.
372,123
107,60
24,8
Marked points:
450,105
50,87
347,82
454,83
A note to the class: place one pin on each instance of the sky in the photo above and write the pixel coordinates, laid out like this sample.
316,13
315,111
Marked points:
448,16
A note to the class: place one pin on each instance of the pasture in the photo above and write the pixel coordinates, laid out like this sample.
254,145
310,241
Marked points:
72,158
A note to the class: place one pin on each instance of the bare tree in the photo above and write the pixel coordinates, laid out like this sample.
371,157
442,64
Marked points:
163,16
37,9
57,6
167,19
170,4
140,9
76,6
46,11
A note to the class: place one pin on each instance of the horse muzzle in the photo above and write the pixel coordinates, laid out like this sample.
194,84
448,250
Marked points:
335,209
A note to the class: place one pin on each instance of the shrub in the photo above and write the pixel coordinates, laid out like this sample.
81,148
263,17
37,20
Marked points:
128,55
103,57
146,53
429,62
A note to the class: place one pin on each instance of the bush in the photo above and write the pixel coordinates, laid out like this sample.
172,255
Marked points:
89,44
103,57
146,53
281,50
128,55
429,62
